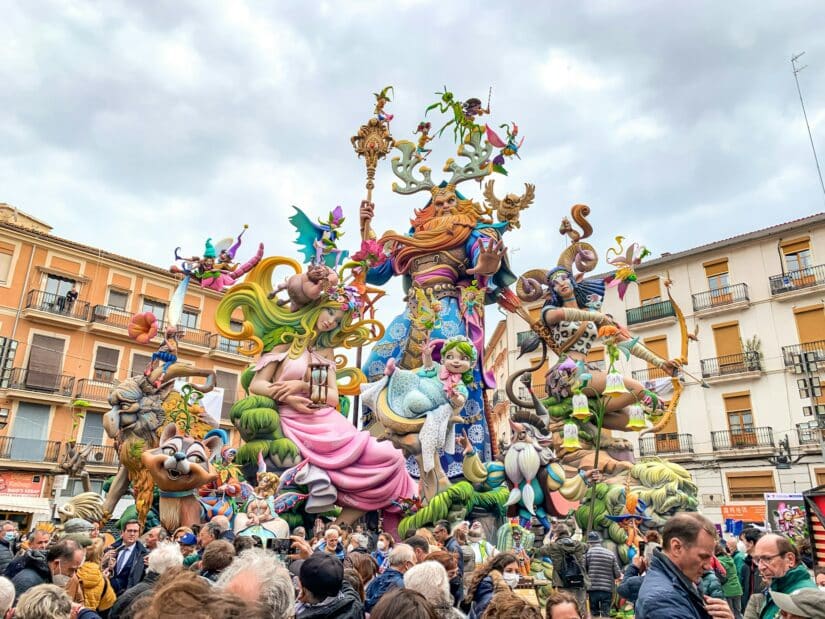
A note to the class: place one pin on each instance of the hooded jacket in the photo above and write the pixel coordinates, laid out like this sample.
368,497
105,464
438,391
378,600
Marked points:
347,605
35,572
98,593
558,550
667,592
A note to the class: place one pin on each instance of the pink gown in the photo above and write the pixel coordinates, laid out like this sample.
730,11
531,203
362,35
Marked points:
368,474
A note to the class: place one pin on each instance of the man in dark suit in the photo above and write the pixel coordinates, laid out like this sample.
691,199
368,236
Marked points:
125,559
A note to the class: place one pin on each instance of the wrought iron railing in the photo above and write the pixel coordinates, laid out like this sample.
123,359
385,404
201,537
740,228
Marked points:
57,304
742,438
89,389
651,311
667,443
28,449
749,361
196,337
103,455
815,352
649,374
112,316
24,379
540,389
797,280
718,297
809,433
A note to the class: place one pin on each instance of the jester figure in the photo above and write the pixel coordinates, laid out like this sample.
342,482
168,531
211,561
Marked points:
451,246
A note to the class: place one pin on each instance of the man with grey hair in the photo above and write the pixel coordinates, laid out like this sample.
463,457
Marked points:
256,575
6,595
163,558
8,543
358,542
402,558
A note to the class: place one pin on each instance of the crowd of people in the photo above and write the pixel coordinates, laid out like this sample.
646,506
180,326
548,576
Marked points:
443,572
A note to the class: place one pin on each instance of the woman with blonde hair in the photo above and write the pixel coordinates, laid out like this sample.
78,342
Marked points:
428,535
95,587
44,602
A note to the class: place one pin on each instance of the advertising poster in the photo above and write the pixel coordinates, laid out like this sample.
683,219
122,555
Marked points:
786,515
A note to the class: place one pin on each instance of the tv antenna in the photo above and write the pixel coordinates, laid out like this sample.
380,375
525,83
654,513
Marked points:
796,69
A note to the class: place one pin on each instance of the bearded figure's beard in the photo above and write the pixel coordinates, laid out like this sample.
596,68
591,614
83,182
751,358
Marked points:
431,234
522,463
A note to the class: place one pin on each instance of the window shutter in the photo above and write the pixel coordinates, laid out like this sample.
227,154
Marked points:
649,290
229,383
139,363
737,401
810,324
45,361
716,267
794,246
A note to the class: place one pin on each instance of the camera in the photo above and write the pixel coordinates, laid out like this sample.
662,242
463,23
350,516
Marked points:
278,546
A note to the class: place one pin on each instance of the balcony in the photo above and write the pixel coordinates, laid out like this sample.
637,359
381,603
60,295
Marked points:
193,340
741,365
28,449
814,353
798,283
744,438
95,392
809,433
670,444
540,389
42,386
100,455
721,299
50,308
649,374
111,320
221,347
652,314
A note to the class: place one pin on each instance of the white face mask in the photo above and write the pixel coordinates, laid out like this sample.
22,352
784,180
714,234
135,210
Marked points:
382,545
740,546
350,547
511,578
61,580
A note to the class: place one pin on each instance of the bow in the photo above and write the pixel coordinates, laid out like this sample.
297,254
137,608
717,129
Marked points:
678,387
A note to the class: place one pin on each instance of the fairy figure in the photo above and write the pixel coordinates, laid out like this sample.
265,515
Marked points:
226,252
464,113
508,146
381,99
421,149
318,242
435,391
359,473
472,303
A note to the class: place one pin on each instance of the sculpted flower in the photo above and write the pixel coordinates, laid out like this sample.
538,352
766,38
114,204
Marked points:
143,327
371,253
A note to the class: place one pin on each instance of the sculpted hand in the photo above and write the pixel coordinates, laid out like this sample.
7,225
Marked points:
300,403
365,215
489,259
464,442
284,388
672,367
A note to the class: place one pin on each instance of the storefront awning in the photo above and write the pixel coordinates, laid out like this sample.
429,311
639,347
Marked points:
25,504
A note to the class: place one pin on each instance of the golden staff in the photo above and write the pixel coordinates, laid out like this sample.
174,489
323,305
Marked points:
372,142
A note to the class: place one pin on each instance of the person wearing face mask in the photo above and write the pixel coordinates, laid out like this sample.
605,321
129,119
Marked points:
499,574
57,566
401,558
382,552
778,562
8,543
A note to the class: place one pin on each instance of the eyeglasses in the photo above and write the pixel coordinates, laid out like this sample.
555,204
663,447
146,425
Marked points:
765,558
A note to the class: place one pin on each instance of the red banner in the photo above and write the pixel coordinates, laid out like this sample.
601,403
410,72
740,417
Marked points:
746,513
20,483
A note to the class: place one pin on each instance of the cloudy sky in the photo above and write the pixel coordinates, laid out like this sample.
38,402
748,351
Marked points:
140,126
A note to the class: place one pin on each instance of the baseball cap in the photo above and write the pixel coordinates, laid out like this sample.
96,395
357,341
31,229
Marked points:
593,537
322,575
802,602
188,539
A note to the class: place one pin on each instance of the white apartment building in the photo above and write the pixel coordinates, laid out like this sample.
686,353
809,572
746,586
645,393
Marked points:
758,301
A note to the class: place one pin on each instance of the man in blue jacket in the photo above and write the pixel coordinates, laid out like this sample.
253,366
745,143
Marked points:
669,589
401,559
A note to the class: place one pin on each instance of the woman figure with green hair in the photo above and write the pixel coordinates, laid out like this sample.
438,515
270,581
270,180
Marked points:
298,346
436,391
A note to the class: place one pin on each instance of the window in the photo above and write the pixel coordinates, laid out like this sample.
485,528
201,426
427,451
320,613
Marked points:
727,339
139,364
658,346
189,318
810,323
521,336
650,291
105,367
750,485
92,429
6,254
75,487
596,357
30,429
229,383
718,278
156,307
820,477
740,418
797,254
45,361
118,299
59,286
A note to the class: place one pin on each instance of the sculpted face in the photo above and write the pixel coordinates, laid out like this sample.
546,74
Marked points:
444,203
329,319
456,362
180,462
562,285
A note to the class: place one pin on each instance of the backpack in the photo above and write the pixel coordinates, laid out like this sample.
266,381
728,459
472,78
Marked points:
571,572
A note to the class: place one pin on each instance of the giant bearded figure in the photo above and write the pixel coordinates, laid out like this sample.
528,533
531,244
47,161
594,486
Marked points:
452,262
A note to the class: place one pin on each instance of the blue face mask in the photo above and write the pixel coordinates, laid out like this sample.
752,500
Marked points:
10,537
